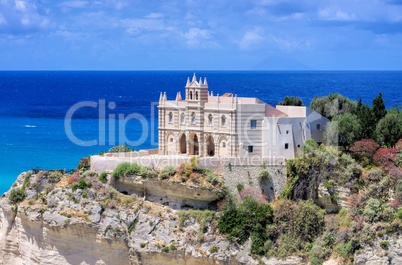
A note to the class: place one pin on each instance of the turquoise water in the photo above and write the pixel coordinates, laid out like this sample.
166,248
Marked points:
33,106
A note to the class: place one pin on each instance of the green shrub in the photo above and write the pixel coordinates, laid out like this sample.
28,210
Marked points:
211,178
372,210
17,195
399,213
263,176
165,249
173,247
84,164
250,219
384,244
126,169
345,250
82,184
89,173
203,217
120,148
213,249
287,245
132,225
308,220
398,160
146,172
240,187
103,177
167,172
398,190
55,176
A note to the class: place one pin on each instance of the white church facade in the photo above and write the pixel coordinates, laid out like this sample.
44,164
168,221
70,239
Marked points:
208,125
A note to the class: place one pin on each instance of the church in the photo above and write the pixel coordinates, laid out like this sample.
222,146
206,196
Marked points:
208,125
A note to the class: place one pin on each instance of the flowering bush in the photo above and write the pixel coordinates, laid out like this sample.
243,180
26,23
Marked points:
364,149
385,157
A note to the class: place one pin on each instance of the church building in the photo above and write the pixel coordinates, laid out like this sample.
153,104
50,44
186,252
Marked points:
225,125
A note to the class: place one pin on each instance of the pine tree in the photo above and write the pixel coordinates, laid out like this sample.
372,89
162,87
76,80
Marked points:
379,110
365,115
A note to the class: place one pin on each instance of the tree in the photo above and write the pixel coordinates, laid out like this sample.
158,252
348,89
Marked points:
389,130
343,130
364,149
365,115
332,105
379,110
319,165
291,101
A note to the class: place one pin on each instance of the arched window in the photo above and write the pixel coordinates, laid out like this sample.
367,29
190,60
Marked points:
193,118
223,121
183,118
210,119
191,94
196,95
170,117
223,144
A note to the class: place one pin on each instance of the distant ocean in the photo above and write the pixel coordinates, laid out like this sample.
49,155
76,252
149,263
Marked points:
33,105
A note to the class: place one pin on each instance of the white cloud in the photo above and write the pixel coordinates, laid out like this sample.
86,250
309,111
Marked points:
21,16
154,16
20,5
334,14
2,20
137,25
75,4
250,39
196,37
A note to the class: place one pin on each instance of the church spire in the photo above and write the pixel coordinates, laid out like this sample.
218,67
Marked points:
194,78
188,81
205,81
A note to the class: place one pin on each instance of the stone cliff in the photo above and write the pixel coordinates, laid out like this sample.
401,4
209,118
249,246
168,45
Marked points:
76,219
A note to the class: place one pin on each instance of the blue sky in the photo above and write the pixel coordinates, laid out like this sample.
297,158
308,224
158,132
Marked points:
196,35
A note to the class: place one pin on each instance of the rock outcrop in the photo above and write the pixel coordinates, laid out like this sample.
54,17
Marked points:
173,194
382,251
78,220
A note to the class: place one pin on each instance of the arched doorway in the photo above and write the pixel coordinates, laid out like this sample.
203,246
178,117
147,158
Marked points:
210,146
183,144
194,145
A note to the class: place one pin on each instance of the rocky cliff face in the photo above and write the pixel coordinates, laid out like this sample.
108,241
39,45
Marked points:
78,220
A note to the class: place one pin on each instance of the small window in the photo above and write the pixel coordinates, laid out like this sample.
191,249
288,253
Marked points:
191,94
286,146
253,124
193,118
210,119
183,118
223,144
171,140
250,148
170,117
223,121
318,126
287,132
298,146
196,95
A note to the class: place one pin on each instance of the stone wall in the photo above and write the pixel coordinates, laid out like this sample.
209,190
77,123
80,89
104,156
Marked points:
109,161
247,175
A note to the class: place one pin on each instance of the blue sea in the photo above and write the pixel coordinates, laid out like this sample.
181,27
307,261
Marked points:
111,106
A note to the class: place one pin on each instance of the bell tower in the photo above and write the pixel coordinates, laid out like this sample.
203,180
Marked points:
196,92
